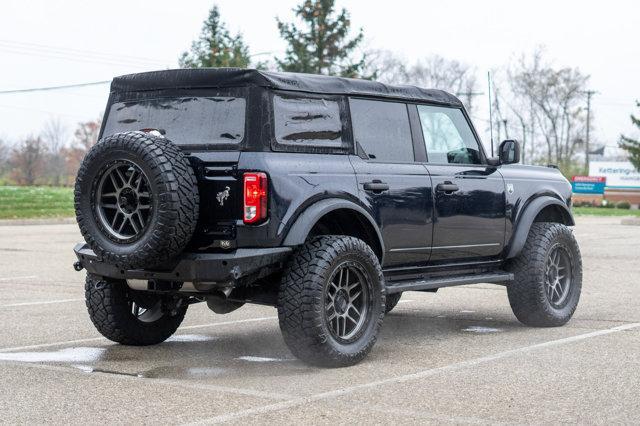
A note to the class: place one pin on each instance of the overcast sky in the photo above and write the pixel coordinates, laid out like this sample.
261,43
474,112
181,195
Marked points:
54,42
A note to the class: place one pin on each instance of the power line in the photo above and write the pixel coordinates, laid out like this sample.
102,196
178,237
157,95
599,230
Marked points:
67,86
75,54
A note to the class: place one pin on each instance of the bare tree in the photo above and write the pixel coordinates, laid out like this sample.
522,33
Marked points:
446,74
85,136
55,136
4,157
386,66
27,161
434,71
553,98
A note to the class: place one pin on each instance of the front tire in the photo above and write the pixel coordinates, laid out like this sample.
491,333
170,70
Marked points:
548,277
131,317
331,301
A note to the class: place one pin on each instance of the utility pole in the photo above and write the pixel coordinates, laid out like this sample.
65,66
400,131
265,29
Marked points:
589,93
524,143
531,131
490,110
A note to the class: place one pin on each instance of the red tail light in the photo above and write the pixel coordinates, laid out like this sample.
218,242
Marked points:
255,197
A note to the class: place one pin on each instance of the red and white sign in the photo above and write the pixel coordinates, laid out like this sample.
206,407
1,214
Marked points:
590,179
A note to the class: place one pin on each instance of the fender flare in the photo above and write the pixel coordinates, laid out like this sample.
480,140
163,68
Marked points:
523,226
305,222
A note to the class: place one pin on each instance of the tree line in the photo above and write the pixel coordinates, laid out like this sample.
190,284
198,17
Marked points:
51,158
533,100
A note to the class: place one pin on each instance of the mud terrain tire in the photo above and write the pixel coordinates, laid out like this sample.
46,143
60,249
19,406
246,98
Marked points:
547,286
109,303
113,179
306,290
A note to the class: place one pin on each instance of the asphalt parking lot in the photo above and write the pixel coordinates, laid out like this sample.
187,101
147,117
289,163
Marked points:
457,356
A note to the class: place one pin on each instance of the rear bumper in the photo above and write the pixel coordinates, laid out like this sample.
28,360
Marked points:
192,267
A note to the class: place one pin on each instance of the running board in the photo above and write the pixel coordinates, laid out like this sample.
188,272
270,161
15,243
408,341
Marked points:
433,283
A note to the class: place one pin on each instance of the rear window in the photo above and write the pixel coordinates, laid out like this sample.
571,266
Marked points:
307,122
184,120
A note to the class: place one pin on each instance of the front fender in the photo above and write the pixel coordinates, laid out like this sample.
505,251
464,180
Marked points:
526,219
305,222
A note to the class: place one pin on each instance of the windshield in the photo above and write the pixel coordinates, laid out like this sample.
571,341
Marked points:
185,120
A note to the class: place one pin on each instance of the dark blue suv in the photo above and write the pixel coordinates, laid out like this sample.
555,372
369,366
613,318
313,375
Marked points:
325,197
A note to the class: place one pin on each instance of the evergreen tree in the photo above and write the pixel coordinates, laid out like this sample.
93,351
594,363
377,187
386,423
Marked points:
632,146
216,47
321,44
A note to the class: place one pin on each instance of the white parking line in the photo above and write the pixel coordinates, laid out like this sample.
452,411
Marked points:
407,377
24,277
97,339
44,302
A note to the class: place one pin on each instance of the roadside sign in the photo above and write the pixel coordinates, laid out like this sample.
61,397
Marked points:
619,174
588,184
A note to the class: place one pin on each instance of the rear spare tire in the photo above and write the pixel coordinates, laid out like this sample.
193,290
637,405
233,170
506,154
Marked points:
136,200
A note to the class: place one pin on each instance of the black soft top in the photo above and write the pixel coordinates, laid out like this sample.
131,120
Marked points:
310,83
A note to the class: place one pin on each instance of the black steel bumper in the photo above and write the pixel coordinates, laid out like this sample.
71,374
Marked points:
191,267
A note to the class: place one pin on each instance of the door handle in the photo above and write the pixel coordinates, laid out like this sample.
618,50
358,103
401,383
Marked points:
376,186
447,187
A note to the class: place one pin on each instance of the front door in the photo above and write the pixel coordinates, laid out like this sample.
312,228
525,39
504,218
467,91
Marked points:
469,195
396,189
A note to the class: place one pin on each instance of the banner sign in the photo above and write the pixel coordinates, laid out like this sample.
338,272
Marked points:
588,184
619,174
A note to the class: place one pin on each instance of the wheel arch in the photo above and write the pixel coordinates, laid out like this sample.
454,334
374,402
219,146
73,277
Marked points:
542,209
338,217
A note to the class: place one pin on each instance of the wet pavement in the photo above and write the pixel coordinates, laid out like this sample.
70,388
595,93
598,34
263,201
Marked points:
456,356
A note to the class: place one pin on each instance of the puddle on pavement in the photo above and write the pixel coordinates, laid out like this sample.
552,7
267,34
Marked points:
481,329
86,359
170,372
263,359
71,355
191,338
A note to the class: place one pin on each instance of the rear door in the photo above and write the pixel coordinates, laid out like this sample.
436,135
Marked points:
390,182
469,195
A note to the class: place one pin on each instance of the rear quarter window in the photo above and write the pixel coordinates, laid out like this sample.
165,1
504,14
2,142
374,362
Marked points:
382,129
301,121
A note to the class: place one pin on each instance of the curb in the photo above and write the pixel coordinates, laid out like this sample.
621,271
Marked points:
631,221
46,221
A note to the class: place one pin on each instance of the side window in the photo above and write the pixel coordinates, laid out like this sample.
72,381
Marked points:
307,122
447,136
382,130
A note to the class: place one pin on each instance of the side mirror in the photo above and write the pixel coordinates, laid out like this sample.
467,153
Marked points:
509,152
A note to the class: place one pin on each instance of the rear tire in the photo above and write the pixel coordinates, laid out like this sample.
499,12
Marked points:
111,305
331,301
392,301
548,277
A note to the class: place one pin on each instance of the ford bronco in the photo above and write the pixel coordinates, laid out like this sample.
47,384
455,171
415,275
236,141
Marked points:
322,196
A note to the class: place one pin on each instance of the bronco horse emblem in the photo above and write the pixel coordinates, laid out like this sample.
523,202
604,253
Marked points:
223,195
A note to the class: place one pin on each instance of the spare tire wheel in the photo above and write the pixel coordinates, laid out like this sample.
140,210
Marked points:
136,200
